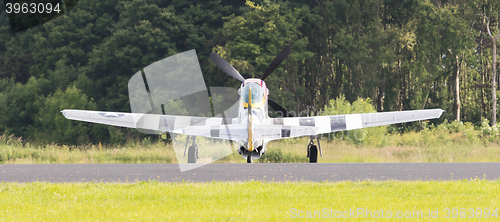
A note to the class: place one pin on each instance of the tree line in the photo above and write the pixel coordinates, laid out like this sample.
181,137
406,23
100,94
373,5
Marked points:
410,54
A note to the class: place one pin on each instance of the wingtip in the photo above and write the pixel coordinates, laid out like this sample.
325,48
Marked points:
64,112
441,113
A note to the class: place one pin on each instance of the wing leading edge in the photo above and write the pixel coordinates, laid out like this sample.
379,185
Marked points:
154,122
328,124
221,128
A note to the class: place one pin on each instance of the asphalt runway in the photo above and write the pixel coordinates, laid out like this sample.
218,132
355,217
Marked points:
278,172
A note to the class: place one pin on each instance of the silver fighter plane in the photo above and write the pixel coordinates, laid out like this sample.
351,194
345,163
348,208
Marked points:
252,128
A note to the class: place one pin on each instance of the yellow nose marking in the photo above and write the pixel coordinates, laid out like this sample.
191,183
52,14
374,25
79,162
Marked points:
250,131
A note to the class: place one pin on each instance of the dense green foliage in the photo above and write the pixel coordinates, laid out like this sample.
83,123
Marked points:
398,55
341,106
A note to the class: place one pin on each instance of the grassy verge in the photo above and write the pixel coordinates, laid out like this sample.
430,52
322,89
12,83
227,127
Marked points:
153,153
450,142
345,151
285,151
248,201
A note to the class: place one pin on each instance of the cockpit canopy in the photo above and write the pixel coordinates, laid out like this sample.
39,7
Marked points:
257,95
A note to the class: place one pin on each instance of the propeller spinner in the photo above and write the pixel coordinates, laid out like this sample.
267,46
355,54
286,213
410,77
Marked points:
230,70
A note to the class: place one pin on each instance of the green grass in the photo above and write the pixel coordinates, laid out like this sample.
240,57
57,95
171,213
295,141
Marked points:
345,151
237,201
283,151
155,153
448,142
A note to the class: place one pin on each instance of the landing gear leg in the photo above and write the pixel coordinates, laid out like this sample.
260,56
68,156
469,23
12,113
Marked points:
312,150
192,154
249,158
192,151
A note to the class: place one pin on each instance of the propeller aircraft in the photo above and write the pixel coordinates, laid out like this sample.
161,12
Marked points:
251,128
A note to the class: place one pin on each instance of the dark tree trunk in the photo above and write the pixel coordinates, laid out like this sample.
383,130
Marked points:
380,99
493,77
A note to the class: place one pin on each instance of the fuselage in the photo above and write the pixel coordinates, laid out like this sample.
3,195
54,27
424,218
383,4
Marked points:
253,109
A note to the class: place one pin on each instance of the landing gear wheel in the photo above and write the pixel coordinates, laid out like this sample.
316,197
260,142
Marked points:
192,154
249,158
313,154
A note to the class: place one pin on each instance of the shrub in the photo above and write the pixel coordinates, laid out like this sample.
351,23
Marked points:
11,140
372,135
277,156
490,133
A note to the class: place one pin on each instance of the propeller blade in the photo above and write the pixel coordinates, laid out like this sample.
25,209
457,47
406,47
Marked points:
228,68
276,62
278,108
319,147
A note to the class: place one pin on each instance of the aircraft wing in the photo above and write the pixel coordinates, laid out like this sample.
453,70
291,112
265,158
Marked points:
274,132
228,132
328,124
155,122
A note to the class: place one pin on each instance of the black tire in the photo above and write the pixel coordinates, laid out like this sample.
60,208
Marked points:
313,154
249,158
192,154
